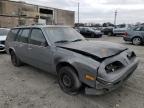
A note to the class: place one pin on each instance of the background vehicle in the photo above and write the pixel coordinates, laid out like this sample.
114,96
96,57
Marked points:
121,29
96,66
136,35
3,35
107,31
90,33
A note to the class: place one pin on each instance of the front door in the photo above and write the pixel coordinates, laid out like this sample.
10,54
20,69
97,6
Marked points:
40,54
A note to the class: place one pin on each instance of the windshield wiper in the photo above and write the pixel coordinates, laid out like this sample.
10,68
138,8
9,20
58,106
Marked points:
62,41
77,40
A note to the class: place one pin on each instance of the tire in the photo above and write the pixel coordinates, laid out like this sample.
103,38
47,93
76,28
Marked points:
92,35
136,41
109,33
68,80
15,60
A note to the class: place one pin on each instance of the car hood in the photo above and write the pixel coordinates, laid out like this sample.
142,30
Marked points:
100,49
2,38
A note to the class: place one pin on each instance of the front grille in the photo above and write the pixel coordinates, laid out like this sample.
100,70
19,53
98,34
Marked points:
2,42
1,48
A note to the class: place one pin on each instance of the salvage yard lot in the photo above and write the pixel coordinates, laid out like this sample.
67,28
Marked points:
28,87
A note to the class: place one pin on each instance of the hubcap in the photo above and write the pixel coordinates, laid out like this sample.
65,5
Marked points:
67,81
136,41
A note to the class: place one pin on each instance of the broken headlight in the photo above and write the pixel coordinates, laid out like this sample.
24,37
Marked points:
131,55
112,67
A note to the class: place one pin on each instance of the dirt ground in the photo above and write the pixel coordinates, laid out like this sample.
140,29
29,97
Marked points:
28,87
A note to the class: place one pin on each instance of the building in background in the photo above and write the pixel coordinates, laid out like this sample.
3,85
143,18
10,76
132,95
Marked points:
14,13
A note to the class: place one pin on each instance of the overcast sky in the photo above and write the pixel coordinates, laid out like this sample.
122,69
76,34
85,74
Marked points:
99,11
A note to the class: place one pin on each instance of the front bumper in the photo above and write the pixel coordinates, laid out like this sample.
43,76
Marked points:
2,48
103,87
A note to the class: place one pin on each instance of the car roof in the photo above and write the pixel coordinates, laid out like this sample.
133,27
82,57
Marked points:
40,26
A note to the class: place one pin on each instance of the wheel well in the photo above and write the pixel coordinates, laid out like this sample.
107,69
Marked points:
62,64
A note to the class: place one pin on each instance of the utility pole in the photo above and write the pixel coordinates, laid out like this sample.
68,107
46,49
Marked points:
115,17
78,11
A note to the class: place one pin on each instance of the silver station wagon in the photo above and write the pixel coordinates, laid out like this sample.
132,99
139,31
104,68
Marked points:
95,67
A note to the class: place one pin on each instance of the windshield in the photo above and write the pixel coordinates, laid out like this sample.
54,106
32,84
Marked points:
63,34
3,32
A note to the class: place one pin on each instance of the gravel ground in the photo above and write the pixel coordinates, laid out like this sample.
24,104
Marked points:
28,87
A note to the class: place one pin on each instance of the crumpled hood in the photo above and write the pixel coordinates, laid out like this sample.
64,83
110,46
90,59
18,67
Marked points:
100,49
2,38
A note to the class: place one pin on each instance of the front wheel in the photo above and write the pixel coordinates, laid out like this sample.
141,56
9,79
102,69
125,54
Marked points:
137,41
69,81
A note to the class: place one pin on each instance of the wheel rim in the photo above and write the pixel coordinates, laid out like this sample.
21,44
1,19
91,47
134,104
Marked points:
136,41
67,81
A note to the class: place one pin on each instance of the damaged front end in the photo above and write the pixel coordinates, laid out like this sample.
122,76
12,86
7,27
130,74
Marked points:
113,72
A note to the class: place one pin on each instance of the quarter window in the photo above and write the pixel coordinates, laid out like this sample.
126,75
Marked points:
12,34
37,38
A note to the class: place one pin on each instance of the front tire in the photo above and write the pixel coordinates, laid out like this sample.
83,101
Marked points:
68,80
136,41
109,34
15,60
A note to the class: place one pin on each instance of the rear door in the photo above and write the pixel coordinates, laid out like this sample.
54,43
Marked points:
21,44
40,54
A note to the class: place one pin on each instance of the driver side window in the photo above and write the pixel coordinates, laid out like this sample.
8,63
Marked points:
37,38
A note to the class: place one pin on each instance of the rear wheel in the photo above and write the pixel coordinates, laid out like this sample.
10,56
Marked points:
68,80
15,60
92,35
137,41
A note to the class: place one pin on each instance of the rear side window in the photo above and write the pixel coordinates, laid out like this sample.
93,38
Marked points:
137,28
37,38
23,35
12,34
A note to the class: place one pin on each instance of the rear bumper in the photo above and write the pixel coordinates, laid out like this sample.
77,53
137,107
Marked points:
103,87
126,39
2,48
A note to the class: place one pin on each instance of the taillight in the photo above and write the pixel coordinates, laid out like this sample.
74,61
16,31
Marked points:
125,34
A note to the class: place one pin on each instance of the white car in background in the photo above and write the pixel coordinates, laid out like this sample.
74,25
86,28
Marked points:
121,29
3,35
